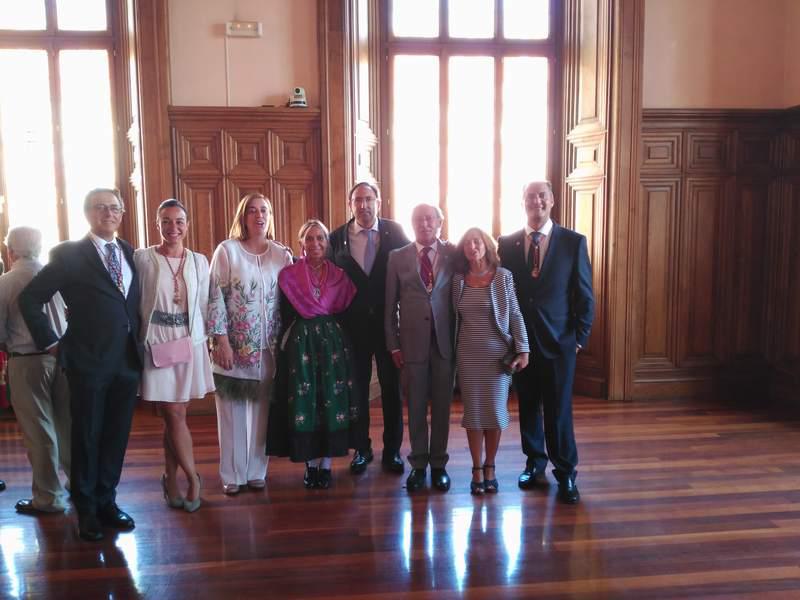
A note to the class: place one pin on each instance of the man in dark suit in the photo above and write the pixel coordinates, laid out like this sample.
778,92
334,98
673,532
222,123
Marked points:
361,247
553,278
101,353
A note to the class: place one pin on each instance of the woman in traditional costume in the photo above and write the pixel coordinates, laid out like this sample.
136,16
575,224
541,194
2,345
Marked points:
315,400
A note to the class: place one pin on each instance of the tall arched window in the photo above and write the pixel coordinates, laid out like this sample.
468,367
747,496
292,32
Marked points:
59,110
473,88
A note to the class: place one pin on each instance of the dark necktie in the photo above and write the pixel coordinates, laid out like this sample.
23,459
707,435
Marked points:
369,251
426,268
114,268
534,253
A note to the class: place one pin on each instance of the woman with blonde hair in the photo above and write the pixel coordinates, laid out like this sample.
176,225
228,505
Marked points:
174,305
491,344
315,398
244,319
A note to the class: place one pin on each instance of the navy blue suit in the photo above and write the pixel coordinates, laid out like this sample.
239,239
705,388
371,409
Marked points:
102,356
558,308
363,322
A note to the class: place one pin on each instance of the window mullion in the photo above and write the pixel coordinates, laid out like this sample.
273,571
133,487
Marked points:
58,146
50,12
444,101
498,146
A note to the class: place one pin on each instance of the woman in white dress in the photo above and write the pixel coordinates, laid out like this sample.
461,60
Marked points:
244,319
174,284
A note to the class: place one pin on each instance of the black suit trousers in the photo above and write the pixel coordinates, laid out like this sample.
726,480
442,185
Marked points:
102,411
544,389
368,342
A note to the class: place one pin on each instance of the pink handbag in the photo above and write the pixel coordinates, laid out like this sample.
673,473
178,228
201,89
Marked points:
172,353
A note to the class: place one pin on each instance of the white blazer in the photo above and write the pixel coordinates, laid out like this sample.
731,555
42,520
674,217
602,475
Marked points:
196,276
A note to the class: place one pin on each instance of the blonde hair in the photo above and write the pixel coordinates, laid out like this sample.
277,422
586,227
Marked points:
301,235
239,229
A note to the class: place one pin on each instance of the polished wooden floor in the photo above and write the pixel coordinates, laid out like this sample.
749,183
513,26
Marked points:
680,500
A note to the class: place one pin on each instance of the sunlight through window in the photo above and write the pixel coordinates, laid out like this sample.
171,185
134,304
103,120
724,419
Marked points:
88,132
471,18
470,144
26,131
415,18
415,130
82,15
23,15
526,19
523,134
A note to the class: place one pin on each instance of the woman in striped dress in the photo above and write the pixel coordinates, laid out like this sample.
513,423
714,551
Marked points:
491,344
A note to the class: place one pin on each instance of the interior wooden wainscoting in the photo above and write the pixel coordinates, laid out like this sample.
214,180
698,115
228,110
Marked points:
220,154
680,499
716,261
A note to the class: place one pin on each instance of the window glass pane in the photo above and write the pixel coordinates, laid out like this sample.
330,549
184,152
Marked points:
415,134
526,19
87,129
470,144
471,18
415,18
22,14
26,130
81,15
523,135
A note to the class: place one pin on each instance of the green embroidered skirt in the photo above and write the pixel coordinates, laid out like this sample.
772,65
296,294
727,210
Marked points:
315,393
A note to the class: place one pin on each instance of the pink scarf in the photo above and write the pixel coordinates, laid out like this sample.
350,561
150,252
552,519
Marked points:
336,292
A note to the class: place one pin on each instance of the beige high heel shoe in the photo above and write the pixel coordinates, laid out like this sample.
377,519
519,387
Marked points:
172,502
192,505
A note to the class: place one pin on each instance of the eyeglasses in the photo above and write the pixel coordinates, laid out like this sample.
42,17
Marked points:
114,209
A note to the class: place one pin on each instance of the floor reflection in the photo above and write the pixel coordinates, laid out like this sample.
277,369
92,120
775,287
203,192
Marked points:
12,546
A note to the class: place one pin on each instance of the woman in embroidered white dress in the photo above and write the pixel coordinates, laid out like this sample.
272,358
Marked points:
174,284
244,319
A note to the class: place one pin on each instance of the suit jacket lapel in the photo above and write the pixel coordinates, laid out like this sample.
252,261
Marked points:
93,258
555,236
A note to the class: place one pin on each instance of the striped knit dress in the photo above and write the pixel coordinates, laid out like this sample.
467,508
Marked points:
483,381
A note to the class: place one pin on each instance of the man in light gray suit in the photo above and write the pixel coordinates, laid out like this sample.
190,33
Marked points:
419,335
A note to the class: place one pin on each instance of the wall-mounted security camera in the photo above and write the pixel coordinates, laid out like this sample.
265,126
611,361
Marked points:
298,98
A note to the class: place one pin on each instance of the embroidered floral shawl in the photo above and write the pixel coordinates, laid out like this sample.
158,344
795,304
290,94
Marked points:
336,292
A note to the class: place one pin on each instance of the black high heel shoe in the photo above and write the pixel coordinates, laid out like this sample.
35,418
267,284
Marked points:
490,485
476,488
324,478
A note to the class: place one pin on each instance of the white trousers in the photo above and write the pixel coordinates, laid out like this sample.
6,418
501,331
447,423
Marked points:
242,429
40,397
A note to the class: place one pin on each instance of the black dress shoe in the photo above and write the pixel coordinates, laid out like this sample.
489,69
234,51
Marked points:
89,528
2,485
440,479
393,463
310,477
416,480
568,492
360,461
26,507
112,516
531,478
324,479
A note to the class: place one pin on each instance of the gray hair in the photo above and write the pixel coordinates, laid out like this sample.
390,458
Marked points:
25,242
87,201
526,185
436,209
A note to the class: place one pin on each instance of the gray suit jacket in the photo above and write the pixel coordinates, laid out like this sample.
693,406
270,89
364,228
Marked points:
409,307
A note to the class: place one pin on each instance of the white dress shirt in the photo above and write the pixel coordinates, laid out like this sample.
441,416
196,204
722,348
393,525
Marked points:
544,242
100,246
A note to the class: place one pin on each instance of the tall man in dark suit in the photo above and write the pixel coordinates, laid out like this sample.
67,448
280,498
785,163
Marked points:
101,353
553,278
361,247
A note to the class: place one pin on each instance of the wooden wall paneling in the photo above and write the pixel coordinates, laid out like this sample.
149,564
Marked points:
655,264
336,124
202,198
708,151
294,205
698,244
221,154
661,151
152,56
